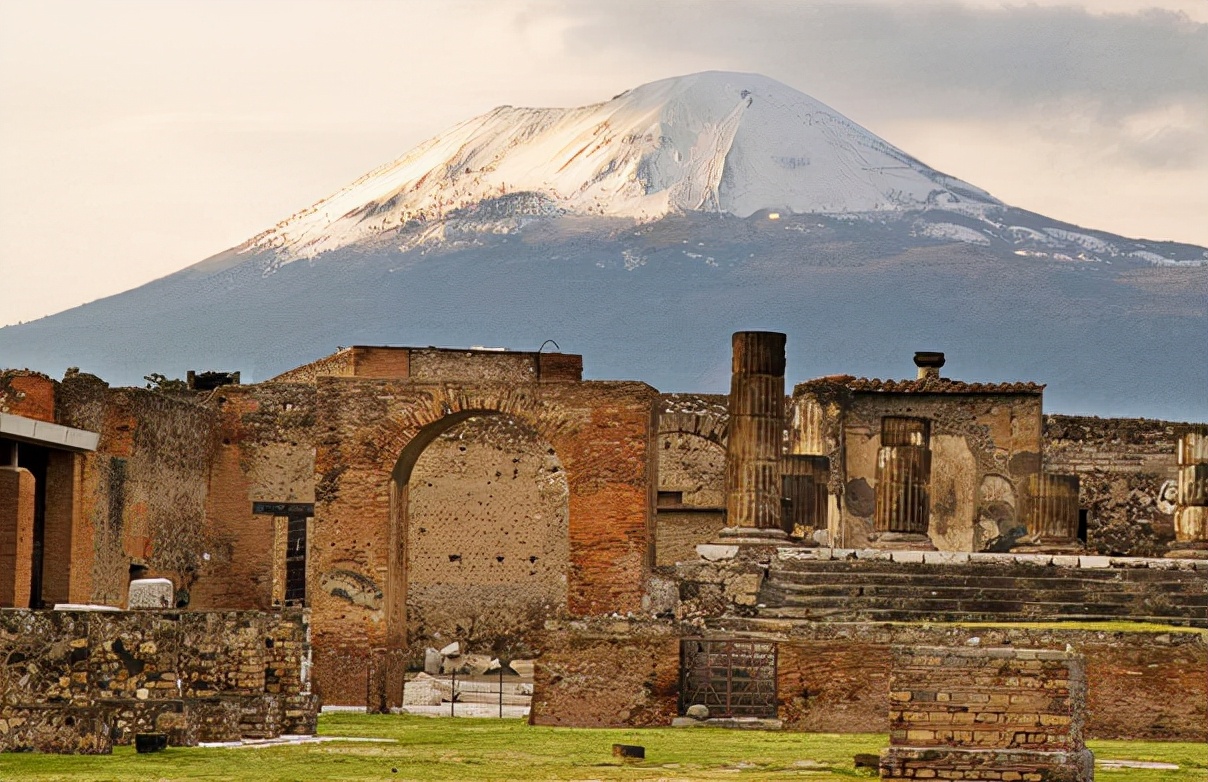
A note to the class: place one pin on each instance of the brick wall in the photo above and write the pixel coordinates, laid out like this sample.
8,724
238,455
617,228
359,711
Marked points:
487,536
16,535
607,673
28,394
986,713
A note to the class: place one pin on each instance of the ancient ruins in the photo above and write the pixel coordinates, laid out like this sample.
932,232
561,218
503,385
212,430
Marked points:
216,560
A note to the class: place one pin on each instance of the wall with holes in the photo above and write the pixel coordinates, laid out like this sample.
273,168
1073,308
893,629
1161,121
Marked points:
487,536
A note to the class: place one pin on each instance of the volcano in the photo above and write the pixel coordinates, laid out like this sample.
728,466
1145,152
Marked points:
642,231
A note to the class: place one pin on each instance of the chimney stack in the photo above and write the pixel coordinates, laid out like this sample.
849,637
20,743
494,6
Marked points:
929,363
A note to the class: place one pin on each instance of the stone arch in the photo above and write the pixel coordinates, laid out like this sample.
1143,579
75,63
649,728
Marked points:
419,585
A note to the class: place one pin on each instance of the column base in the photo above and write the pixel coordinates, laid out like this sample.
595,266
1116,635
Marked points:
1187,549
901,541
753,536
1050,546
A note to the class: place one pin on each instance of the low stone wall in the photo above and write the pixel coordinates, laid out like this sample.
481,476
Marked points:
834,677
196,676
604,673
986,713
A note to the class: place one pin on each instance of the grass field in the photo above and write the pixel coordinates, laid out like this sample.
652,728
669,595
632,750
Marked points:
470,749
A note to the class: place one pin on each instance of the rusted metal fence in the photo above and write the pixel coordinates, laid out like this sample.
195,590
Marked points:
733,678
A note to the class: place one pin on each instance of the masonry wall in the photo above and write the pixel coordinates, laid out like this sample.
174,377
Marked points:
196,676
983,448
606,674
487,536
143,492
835,677
1127,469
263,451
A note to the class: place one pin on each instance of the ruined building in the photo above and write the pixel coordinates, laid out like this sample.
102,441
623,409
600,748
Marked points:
408,496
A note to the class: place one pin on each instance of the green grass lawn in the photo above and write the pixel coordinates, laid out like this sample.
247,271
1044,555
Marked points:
478,749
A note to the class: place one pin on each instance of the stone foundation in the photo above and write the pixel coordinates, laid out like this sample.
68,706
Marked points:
81,681
998,713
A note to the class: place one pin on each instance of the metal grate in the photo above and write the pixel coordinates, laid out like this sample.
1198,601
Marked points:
734,678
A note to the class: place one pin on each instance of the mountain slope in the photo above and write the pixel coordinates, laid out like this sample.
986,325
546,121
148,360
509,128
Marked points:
642,231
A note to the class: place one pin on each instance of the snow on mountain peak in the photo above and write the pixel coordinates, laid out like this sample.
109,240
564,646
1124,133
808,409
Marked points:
714,141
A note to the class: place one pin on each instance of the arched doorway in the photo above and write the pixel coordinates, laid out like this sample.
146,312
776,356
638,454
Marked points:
479,534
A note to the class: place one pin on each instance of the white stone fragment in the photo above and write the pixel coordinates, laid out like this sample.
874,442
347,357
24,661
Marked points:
452,650
1065,560
714,552
1094,562
945,557
151,593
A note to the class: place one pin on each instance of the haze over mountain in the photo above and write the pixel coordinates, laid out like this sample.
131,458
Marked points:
642,231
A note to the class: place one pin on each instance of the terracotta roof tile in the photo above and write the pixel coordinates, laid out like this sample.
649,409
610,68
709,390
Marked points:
930,385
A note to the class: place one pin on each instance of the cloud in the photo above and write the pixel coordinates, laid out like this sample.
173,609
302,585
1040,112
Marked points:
1061,67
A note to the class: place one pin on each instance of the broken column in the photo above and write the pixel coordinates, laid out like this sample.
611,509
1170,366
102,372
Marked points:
755,439
1191,510
1050,510
804,508
903,492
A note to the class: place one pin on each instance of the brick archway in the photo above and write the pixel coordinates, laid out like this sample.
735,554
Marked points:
602,433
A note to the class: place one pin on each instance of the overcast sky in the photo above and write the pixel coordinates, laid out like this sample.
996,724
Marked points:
137,138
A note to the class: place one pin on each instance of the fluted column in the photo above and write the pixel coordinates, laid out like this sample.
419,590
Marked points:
1050,508
1191,511
903,497
805,493
755,438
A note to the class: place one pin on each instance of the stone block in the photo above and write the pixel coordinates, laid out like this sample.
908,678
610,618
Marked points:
1087,562
715,552
945,557
151,593
908,557
874,554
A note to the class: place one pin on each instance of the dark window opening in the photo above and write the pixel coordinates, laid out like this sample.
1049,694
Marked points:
1083,521
295,561
669,499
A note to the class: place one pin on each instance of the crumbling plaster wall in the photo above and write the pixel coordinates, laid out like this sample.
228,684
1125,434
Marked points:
983,448
1126,469
601,432
143,492
487,536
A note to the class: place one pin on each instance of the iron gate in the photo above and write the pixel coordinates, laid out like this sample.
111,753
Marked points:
734,678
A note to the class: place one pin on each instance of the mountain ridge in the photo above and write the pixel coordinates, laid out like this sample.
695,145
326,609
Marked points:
649,289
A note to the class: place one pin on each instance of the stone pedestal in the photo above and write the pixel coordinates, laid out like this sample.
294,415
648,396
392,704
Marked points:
986,713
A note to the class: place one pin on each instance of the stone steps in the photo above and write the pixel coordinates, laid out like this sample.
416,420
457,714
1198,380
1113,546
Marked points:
856,590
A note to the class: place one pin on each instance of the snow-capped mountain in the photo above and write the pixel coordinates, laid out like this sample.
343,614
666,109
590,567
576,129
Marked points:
714,142
641,231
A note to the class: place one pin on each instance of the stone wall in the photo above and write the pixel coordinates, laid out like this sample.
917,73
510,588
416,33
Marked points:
1127,469
606,673
986,713
197,676
835,677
